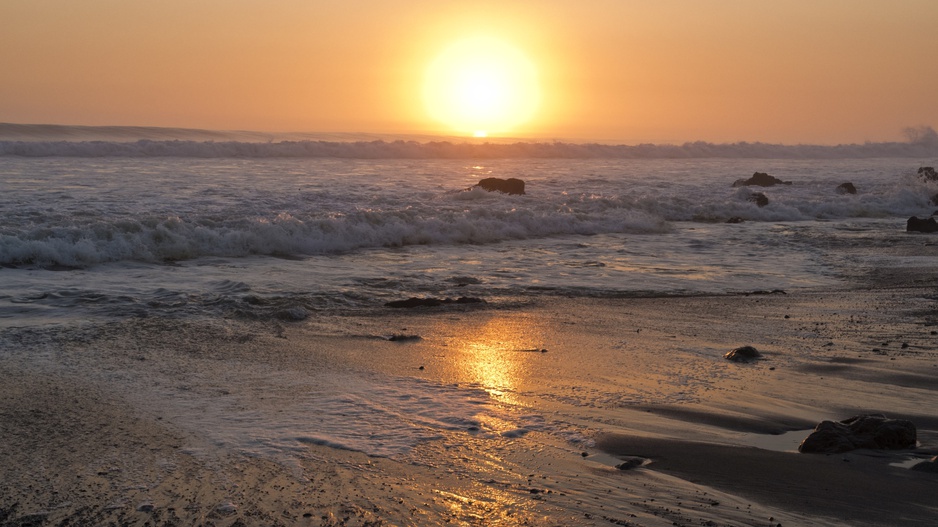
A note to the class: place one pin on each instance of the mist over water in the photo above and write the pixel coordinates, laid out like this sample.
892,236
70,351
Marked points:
130,141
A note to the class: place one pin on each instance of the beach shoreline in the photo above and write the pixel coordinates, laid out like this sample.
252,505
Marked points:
153,421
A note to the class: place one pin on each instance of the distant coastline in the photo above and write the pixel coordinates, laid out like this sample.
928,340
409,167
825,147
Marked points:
48,140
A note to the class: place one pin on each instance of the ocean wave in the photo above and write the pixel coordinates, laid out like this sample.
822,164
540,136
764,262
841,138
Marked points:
83,237
175,238
149,142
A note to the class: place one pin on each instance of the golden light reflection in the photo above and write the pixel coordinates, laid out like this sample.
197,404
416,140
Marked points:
494,355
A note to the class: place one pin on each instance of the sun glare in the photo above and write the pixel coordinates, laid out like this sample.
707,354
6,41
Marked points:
481,86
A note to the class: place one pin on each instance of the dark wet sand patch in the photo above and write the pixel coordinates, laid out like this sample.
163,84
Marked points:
768,424
858,488
928,380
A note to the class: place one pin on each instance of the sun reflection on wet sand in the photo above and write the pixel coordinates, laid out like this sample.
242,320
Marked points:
493,354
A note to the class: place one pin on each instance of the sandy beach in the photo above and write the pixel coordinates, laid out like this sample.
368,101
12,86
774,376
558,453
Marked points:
129,423
495,264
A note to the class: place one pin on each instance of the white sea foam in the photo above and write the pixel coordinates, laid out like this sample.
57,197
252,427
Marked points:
277,414
351,233
74,213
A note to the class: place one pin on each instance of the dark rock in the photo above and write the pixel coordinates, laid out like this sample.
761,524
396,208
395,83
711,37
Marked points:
735,219
862,431
759,199
928,173
630,463
927,466
415,302
916,224
404,338
508,186
465,300
846,188
760,179
432,302
743,354
934,201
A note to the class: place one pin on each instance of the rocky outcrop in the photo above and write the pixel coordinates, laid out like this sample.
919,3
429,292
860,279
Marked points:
760,179
862,431
735,219
743,354
928,173
916,224
508,186
759,199
846,188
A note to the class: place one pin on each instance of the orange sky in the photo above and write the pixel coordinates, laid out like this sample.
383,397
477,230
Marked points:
803,71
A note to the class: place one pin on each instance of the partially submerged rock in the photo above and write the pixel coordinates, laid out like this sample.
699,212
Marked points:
916,224
735,219
508,186
928,173
743,354
432,302
759,199
760,179
846,188
862,431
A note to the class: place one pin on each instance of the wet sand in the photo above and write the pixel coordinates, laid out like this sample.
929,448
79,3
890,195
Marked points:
101,424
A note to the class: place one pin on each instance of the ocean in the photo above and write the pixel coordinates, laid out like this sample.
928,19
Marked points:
100,233
115,236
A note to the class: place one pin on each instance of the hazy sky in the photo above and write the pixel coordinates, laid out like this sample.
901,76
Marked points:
818,71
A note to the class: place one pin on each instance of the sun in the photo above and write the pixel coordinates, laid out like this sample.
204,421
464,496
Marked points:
481,86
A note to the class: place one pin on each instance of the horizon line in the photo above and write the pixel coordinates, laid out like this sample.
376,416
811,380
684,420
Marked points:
38,132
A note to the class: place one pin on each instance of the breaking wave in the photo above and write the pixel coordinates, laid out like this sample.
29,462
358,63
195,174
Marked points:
176,238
